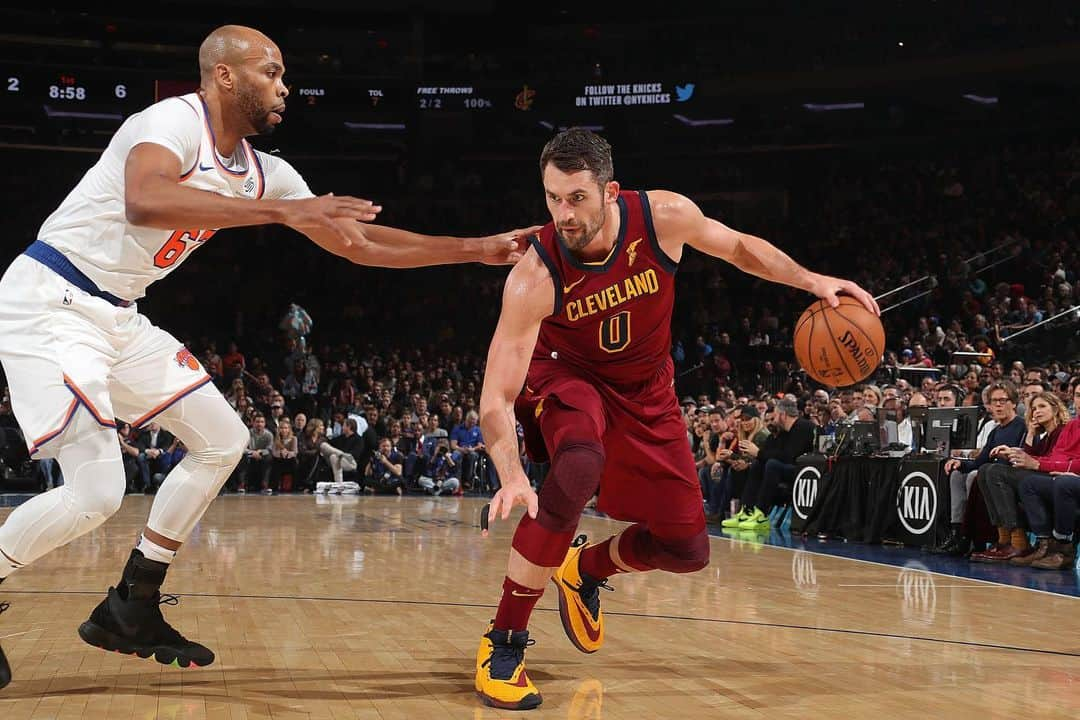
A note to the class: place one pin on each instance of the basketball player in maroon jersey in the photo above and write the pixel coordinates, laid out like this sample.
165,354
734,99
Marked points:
581,356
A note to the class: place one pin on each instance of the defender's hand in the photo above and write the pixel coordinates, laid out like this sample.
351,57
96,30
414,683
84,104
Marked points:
506,248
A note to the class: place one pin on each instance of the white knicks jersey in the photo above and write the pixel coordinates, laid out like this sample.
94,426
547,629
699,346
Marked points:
91,229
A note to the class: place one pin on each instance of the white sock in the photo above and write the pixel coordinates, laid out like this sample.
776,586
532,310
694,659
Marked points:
153,551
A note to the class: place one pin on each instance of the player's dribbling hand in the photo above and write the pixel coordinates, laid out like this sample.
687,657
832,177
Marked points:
827,288
506,248
515,491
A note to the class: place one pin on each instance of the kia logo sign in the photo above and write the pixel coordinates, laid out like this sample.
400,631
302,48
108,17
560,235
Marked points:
804,491
916,502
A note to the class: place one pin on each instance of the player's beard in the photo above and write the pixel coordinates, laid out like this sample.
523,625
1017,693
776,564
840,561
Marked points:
247,100
584,232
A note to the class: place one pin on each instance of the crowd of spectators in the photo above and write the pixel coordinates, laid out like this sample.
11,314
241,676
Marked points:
1021,479
381,385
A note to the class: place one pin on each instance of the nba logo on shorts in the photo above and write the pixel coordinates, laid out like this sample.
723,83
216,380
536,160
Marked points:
184,358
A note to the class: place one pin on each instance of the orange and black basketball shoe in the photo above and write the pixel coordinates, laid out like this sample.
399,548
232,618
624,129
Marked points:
501,680
579,600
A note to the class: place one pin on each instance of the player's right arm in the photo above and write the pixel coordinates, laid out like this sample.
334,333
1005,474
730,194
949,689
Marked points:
154,197
526,301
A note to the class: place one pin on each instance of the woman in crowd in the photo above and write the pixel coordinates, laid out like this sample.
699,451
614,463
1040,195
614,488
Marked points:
245,409
751,428
1047,496
872,397
308,444
284,452
235,392
1000,486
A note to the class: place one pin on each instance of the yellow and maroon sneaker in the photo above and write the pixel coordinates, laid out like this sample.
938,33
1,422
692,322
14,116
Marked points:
579,600
501,680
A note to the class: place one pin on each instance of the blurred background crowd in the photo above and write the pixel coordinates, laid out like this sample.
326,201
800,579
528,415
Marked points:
925,150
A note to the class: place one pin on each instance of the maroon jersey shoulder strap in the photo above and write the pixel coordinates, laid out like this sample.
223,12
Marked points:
556,277
654,242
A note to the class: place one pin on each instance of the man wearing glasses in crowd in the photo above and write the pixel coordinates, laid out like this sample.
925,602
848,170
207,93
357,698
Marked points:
1010,431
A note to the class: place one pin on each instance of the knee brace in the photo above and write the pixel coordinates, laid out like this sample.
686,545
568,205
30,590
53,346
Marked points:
573,479
642,550
685,556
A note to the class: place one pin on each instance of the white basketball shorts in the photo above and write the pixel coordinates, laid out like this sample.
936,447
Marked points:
65,350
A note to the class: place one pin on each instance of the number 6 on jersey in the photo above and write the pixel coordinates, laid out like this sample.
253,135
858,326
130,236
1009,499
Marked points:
175,246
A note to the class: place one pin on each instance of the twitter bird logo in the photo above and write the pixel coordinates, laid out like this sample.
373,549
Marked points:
684,92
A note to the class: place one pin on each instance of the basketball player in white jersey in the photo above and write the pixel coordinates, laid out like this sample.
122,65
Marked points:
78,354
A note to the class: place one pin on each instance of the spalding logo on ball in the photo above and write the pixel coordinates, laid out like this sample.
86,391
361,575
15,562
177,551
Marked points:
839,346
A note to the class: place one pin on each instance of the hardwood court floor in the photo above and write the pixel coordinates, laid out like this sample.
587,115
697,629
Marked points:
373,607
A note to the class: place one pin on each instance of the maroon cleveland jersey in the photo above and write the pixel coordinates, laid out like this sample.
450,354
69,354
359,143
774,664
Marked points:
611,318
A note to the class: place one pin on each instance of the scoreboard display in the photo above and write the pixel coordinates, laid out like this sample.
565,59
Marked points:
331,99
77,88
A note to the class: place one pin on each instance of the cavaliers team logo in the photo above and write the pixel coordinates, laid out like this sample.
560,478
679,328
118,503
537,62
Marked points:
184,358
631,252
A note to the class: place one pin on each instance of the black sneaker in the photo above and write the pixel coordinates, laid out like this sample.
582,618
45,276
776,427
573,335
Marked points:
5,669
129,619
137,627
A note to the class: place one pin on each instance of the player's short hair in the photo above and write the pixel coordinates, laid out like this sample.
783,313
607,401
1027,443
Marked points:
576,149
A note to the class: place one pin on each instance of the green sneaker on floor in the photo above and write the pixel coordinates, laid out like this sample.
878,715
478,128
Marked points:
758,521
734,520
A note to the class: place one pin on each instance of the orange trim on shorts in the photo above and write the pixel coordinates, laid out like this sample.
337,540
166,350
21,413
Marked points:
158,409
36,445
79,399
81,396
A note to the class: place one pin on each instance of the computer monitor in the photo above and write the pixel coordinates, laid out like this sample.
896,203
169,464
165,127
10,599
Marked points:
887,430
917,418
950,429
865,438
966,431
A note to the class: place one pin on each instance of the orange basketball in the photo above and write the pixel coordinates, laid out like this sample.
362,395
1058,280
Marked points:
839,346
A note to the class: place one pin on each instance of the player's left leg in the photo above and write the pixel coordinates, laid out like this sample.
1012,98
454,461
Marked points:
650,479
160,380
656,545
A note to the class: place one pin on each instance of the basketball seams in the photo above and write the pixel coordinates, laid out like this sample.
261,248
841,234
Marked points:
809,314
807,360
859,327
810,343
843,360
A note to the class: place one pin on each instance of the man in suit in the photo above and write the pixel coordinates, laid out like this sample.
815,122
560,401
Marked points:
156,446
